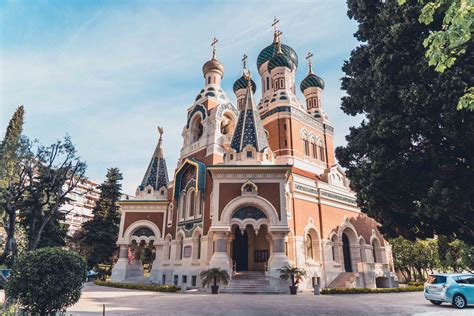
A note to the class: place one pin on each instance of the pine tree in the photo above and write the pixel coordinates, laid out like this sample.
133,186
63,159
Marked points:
100,233
411,159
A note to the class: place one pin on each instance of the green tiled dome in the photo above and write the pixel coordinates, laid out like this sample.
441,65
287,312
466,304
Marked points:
280,60
268,52
242,82
311,80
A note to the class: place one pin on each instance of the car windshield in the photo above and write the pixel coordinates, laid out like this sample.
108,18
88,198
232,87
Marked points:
436,279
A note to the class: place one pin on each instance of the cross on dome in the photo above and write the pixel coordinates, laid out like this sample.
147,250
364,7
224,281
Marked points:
213,44
309,58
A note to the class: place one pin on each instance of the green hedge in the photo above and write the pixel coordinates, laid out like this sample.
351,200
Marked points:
143,287
370,291
413,283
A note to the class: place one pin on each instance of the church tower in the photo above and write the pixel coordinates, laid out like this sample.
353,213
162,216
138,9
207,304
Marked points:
312,88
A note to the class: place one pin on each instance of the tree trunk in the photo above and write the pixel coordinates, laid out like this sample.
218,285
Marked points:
10,246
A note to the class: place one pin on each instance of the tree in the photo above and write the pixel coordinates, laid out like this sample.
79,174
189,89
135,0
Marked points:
449,42
53,173
46,280
13,150
411,159
100,233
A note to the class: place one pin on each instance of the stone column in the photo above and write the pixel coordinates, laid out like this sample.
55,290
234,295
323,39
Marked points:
159,257
220,259
278,258
121,268
136,267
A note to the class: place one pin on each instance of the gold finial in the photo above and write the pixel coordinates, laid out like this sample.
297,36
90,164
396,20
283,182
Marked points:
213,44
309,58
160,131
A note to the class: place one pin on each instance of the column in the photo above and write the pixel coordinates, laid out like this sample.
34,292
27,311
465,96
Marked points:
121,267
220,259
278,258
156,271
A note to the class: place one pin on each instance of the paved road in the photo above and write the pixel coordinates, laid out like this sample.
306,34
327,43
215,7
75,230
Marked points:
131,302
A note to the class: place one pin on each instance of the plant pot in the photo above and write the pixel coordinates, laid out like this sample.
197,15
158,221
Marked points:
293,289
214,289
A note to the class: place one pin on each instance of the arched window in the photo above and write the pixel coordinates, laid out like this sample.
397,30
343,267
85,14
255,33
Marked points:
199,247
376,251
182,206
209,80
321,153
168,248
335,252
315,150
268,83
306,147
196,128
309,247
192,198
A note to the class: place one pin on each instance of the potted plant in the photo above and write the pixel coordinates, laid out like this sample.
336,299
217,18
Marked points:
295,274
212,276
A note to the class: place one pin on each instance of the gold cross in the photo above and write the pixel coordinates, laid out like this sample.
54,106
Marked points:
309,58
275,24
244,61
213,44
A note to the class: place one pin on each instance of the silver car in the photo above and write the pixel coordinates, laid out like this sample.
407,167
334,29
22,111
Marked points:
454,288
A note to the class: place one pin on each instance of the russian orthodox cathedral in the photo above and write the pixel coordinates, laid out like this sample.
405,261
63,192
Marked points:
256,188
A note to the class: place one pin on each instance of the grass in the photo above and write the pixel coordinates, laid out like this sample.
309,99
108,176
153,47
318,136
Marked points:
142,287
371,291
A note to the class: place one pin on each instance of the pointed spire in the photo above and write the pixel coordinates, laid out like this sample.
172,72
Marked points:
249,130
156,174
309,58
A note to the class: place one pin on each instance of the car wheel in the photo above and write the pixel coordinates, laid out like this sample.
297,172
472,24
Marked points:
436,302
459,301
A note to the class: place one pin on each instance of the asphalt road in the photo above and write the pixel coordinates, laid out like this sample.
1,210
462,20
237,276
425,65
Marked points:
132,302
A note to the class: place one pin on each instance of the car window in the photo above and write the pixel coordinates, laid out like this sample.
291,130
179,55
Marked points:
436,279
465,279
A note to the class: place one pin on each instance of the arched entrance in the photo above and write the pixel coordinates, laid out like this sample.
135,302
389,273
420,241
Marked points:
240,250
346,251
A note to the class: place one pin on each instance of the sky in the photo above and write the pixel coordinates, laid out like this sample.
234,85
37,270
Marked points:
107,73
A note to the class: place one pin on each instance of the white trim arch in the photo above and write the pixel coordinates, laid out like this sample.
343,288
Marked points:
256,201
127,236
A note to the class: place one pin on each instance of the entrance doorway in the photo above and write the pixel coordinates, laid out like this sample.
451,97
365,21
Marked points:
346,251
240,252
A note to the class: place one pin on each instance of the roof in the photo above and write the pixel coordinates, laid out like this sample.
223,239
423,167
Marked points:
249,130
156,174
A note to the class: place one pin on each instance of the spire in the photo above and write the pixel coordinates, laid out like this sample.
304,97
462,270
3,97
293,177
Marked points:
156,174
249,130
309,58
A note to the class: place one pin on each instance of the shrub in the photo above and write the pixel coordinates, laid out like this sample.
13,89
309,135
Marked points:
413,283
143,287
46,280
371,291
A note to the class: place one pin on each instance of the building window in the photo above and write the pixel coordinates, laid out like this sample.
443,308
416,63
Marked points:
193,280
315,150
163,279
309,247
192,198
286,143
268,83
209,80
249,154
175,279
284,127
184,279
321,153
282,83
306,147
199,247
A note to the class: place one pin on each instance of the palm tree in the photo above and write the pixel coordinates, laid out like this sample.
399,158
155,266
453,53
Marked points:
214,275
295,274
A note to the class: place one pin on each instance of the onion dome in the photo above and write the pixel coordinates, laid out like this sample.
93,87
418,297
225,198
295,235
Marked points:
268,52
280,60
213,64
242,83
311,80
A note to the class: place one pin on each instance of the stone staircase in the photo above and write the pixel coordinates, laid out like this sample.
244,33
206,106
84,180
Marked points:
250,282
345,280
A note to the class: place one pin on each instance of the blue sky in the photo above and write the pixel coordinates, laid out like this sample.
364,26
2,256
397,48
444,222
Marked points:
108,72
